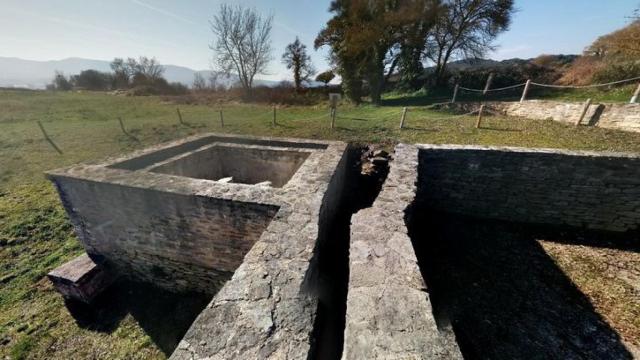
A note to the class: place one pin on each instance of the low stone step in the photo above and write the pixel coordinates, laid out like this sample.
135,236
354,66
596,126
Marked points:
80,279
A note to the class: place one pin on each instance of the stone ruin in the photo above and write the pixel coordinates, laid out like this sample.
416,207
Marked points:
190,214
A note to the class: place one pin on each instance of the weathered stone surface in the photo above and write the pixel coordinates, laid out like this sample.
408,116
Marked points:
164,226
388,309
595,190
268,308
606,115
80,279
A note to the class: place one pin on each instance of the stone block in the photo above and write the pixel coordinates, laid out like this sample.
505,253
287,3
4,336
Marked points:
80,279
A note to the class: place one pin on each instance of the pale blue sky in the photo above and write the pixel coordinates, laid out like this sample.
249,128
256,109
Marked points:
177,32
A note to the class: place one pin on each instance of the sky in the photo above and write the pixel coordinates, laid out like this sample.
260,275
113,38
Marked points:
177,32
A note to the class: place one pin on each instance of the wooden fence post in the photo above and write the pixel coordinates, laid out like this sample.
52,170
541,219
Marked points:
333,118
455,94
48,139
526,91
488,85
479,116
179,116
122,126
404,115
636,94
274,115
587,104
221,119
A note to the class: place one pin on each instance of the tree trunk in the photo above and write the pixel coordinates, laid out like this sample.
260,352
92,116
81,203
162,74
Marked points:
376,75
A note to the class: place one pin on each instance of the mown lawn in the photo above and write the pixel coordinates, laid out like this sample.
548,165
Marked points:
35,235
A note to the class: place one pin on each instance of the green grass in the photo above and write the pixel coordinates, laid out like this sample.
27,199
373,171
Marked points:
619,94
35,235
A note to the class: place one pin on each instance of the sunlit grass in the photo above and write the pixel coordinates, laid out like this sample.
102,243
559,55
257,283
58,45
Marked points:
35,235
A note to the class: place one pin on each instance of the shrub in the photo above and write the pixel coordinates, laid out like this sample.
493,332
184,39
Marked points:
610,72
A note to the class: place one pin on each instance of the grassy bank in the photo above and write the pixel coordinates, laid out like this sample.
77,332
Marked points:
35,235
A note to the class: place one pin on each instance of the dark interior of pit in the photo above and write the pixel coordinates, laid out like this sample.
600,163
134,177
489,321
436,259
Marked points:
164,316
367,170
492,283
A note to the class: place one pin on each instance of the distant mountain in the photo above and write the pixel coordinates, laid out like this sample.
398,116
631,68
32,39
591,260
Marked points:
16,72
476,64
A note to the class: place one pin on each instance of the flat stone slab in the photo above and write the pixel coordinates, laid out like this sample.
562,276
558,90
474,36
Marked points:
80,279
389,313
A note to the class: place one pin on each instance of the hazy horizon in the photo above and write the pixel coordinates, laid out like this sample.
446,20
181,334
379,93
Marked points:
178,33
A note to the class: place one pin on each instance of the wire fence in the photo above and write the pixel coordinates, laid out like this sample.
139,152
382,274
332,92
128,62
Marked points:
529,85
134,130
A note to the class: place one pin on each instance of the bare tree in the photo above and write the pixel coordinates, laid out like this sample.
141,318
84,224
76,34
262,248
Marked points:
121,73
199,82
466,29
296,58
149,68
243,42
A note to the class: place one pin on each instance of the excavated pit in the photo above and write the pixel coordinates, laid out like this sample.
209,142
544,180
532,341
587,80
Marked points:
489,279
504,297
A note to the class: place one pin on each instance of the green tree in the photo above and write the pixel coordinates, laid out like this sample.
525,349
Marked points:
121,73
326,77
296,58
60,82
92,80
466,29
363,32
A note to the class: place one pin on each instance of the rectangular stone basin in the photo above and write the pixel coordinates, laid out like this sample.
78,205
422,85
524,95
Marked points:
239,164
163,215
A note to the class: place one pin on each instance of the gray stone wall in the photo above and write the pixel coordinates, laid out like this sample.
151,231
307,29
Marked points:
177,241
582,189
389,313
605,115
268,308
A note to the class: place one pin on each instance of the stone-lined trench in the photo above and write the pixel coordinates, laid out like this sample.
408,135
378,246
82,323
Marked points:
365,175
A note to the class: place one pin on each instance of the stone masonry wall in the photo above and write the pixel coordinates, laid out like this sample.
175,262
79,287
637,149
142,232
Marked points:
177,241
606,115
582,189
389,313
268,308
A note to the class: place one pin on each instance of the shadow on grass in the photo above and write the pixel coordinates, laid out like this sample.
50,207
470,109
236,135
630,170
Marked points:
413,128
352,118
164,316
502,295
499,129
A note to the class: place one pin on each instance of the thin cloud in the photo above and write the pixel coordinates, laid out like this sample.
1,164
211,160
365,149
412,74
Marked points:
164,12
289,29
86,26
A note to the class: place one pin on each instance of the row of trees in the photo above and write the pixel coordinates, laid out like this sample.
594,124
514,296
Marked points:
370,40
143,73
242,46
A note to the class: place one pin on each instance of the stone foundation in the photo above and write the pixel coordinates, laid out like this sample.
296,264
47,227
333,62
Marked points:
541,186
605,115
389,314
188,214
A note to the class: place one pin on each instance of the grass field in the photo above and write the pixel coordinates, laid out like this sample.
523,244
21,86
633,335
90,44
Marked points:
35,235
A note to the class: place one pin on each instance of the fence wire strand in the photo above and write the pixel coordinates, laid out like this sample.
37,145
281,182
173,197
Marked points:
552,86
492,90
586,86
